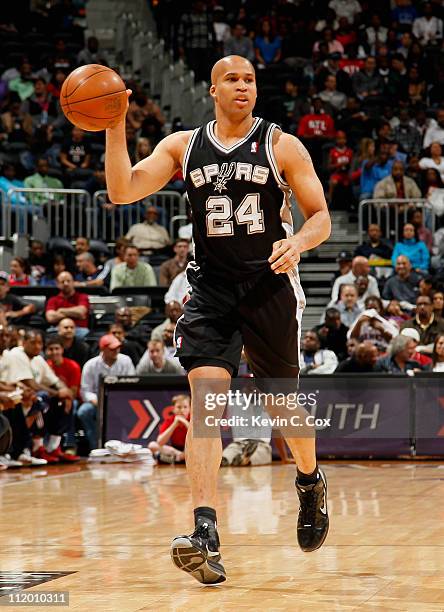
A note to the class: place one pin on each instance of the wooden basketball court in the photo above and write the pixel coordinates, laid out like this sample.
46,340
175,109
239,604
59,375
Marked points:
111,526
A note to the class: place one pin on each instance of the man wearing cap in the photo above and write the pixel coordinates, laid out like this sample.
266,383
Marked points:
109,363
12,305
360,267
413,333
427,325
344,261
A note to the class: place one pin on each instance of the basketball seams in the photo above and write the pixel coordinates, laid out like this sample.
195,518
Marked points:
68,95
113,93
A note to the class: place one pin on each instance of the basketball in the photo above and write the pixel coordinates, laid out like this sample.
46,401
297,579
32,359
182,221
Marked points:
93,97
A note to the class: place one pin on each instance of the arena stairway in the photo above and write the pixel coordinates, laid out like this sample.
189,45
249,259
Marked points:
318,266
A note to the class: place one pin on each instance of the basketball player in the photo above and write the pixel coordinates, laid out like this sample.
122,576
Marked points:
239,171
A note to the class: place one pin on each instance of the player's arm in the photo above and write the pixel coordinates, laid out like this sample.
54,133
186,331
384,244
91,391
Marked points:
127,184
295,165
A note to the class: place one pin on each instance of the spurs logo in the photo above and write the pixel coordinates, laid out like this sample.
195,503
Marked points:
225,174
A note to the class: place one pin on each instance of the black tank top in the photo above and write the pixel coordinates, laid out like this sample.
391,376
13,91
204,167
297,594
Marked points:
236,195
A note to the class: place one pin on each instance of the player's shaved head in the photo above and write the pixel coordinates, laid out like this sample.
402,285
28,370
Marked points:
231,63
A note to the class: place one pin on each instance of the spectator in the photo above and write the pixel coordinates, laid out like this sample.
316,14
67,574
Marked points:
316,129
425,323
428,29
333,45
75,156
432,181
17,124
438,354
91,54
376,33
119,252
414,249
170,444
196,39
108,363
405,13
58,266
143,149
400,358
368,82
89,274
412,333
434,159
41,180
397,81
344,261
347,305
330,95
406,135
267,45
416,87
360,267
9,181
173,310
154,361
149,236
362,360
435,131
374,248
132,273
178,290
23,84
397,185
73,348
81,245
38,259
129,347
416,218
374,170
403,285
142,110
13,306
68,303
172,267
314,359
340,158
345,8
438,304
19,273
371,325
426,286
239,44
333,333
135,331
294,105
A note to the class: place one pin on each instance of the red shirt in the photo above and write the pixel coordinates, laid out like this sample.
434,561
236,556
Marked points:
178,436
340,157
350,66
77,299
316,125
14,282
69,372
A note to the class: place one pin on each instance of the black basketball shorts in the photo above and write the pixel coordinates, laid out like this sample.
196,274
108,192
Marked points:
263,315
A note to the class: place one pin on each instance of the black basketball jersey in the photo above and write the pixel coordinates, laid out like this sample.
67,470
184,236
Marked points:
236,195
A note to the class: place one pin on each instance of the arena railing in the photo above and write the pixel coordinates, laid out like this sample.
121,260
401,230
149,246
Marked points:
391,214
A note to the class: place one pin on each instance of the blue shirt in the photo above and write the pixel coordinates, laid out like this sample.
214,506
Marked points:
370,176
415,250
269,49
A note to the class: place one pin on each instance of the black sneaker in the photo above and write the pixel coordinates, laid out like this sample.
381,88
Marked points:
198,554
313,515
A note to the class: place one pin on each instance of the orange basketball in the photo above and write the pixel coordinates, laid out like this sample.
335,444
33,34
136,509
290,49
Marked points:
93,97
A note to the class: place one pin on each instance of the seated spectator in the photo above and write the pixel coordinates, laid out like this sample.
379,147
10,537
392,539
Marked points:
68,303
428,29
373,170
330,95
405,13
412,248
143,149
314,359
435,130
403,286
333,45
91,54
75,156
372,325
346,8
73,348
376,33
267,45
347,305
23,84
416,218
172,267
397,185
333,333
179,289
426,286
13,307
58,266
135,330
425,323
155,361
406,135
413,333
361,284
316,129
149,236
368,83
433,159
16,123
438,354
344,261
38,259
374,248
170,444
340,158
360,267
90,275
239,44
132,273
400,357
173,310
109,363
363,359
438,304
294,106
81,245
41,105
9,181
129,347
142,110
20,273
119,253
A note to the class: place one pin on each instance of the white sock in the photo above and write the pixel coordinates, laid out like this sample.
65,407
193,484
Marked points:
53,443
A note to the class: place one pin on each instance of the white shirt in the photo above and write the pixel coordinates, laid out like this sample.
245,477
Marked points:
96,368
427,29
349,279
145,236
178,289
20,367
345,8
439,367
325,360
434,133
428,162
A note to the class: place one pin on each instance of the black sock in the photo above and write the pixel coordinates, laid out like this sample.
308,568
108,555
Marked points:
307,479
203,512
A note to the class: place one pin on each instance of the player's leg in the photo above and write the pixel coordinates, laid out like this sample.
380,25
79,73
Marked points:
198,554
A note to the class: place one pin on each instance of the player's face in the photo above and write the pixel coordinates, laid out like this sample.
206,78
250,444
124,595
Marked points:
235,90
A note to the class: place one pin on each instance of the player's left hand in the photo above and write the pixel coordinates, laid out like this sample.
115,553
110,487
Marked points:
285,256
